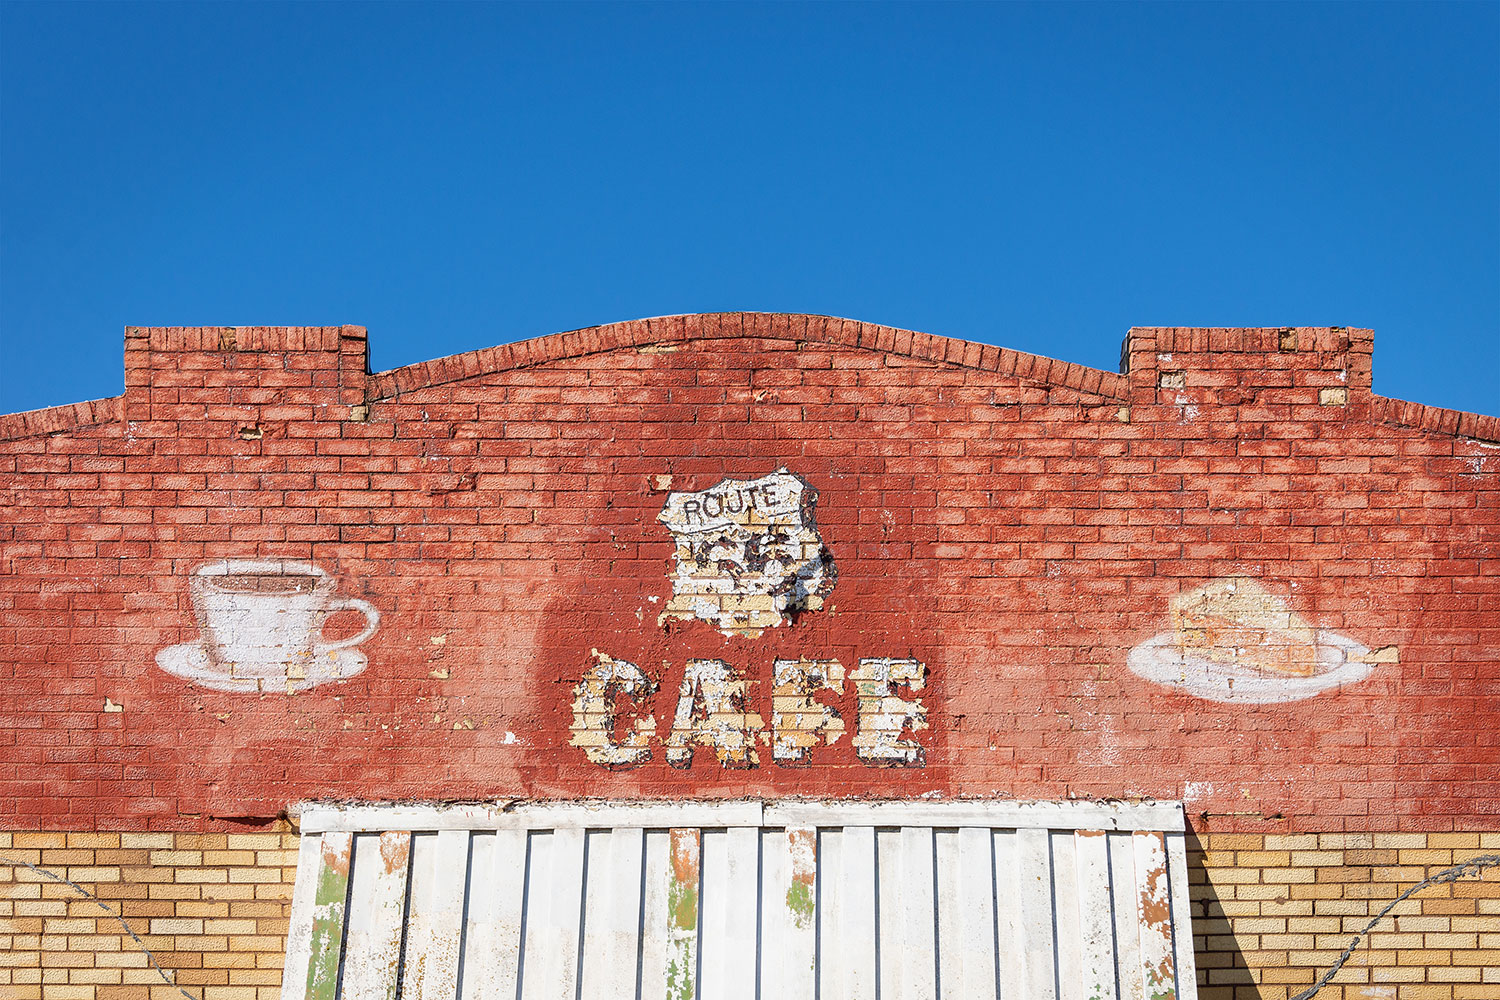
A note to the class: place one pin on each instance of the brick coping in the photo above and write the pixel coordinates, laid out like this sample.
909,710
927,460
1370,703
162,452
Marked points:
771,326
831,330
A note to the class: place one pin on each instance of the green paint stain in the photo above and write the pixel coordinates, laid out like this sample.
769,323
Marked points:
682,901
799,900
682,915
327,932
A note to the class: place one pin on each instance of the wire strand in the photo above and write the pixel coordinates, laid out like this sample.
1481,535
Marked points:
1473,866
100,903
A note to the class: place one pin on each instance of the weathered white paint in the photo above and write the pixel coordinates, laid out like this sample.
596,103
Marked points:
261,628
1095,926
497,891
906,907
554,906
789,890
594,722
954,906
323,817
798,718
1233,641
730,870
748,554
654,914
439,863
377,907
613,907
299,926
847,946
884,717
712,711
1182,945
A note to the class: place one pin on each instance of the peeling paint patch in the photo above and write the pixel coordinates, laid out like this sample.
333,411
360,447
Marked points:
595,725
884,716
682,916
1154,910
748,554
329,903
1194,791
712,711
798,719
801,898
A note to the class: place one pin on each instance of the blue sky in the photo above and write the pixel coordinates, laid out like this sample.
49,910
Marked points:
1042,177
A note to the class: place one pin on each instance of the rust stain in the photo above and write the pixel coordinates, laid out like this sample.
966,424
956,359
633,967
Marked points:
1155,913
685,856
335,858
394,848
803,845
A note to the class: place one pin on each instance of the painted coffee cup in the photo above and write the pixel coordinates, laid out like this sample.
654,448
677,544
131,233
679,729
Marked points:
264,617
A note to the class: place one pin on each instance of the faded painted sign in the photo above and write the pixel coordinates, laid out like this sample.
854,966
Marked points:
1234,641
595,726
799,719
260,624
884,716
749,556
712,712
748,553
613,724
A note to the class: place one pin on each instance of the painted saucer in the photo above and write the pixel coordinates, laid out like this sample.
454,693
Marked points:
1163,660
191,662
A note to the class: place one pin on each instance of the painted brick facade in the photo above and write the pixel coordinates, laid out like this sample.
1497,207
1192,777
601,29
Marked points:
838,560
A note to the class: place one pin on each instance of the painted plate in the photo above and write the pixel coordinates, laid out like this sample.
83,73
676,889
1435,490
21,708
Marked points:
190,661
1162,660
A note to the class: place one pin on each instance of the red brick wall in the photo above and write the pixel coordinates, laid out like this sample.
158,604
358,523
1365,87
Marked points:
1018,525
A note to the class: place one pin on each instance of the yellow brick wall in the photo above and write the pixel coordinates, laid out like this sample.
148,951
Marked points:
1271,912
212,909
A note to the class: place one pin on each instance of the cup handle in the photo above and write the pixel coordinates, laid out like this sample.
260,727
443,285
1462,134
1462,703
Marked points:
353,604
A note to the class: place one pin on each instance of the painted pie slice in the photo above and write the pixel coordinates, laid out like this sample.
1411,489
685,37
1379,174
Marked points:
1237,621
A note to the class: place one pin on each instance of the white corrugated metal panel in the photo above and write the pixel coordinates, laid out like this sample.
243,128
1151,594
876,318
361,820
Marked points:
905,901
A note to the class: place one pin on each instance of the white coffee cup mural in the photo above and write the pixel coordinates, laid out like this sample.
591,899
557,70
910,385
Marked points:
260,625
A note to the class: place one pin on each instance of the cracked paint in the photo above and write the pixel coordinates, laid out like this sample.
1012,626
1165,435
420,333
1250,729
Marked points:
748,554
798,719
712,712
682,916
596,727
884,716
